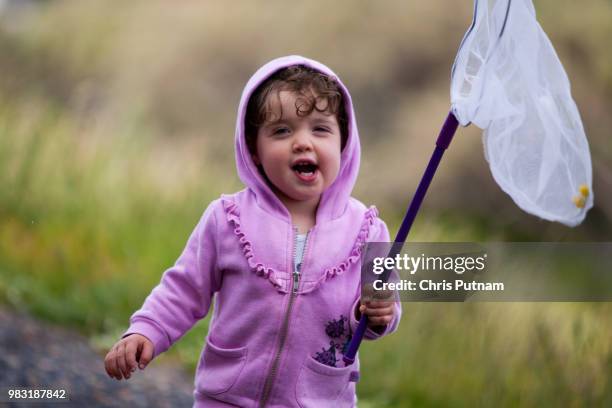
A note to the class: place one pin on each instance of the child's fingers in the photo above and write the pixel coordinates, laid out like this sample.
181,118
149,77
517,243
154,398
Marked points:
376,309
375,304
146,355
379,320
120,359
109,362
112,369
380,315
380,311
130,355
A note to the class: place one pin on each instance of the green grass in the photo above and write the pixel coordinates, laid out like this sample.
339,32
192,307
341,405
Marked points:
492,354
73,248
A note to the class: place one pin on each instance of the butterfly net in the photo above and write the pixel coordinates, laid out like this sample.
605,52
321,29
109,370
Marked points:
508,81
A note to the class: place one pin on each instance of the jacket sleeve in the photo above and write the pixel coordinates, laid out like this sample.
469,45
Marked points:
185,292
380,233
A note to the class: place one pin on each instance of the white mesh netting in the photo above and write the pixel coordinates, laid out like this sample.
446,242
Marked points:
508,81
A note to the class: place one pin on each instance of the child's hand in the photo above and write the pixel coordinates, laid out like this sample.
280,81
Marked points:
379,312
129,352
378,305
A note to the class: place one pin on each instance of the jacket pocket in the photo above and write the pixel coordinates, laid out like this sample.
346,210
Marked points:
219,368
319,385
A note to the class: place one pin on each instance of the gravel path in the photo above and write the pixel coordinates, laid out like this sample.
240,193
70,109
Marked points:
39,355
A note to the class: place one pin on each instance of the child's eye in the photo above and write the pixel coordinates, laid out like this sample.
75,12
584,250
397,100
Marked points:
321,129
280,131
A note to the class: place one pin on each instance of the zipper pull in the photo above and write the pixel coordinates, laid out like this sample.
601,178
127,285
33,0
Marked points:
296,281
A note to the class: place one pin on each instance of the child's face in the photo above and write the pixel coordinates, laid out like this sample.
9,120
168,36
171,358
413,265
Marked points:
300,155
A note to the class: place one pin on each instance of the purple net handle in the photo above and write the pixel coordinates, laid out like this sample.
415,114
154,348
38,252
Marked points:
444,139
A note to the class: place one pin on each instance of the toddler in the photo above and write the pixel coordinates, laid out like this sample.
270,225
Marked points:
280,259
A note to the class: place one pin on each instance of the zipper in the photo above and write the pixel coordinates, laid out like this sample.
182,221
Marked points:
296,281
285,327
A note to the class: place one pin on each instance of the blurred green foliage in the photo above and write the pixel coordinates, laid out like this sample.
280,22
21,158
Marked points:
116,131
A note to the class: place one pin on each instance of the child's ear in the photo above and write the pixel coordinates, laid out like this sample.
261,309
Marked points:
256,160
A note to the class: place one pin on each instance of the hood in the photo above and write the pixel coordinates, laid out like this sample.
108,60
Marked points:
334,200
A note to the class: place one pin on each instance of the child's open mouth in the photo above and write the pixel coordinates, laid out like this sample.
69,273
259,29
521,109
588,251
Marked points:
305,170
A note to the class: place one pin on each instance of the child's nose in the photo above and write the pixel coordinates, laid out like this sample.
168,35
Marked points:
302,142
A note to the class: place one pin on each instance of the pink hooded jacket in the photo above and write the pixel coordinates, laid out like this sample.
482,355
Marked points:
275,338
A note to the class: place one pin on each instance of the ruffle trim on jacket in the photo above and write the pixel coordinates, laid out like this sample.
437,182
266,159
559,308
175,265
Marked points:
232,213
355,255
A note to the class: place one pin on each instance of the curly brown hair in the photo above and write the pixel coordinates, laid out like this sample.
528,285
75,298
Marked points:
317,91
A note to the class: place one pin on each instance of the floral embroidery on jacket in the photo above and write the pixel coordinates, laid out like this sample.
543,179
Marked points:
340,333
